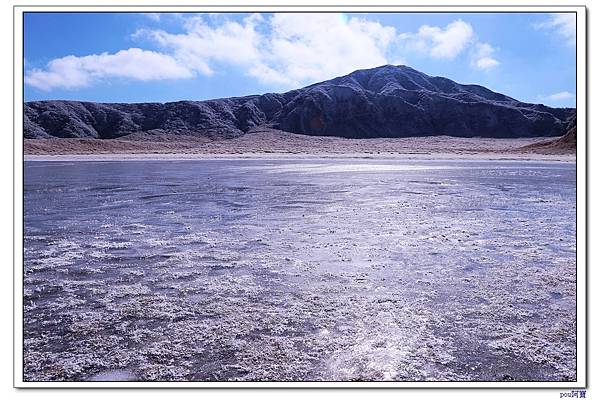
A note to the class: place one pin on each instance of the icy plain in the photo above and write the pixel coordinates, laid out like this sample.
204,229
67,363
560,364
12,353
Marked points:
292,270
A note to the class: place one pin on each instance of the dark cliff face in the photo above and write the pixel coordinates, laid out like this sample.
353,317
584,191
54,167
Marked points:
388,101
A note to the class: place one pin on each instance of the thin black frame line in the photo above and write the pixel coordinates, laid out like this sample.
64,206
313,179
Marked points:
586,107
299,12
298,6
308,382
14,242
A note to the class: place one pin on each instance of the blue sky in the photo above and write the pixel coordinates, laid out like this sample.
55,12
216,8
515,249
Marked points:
126,57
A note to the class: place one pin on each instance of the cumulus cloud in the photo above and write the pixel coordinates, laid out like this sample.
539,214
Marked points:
449,42
283,50
563,24
446,43
201,44
483,57
73,72
559,96
312,47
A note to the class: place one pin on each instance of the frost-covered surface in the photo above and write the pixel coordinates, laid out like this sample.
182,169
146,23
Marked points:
299,270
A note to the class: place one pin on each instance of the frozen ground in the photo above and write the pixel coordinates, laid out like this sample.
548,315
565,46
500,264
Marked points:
299,270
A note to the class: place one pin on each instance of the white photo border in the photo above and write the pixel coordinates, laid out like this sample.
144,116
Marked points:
581,195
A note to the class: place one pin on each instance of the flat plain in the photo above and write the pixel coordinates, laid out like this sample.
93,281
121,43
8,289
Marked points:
295,269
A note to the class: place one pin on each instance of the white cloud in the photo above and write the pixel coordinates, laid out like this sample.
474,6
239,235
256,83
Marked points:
153,16
445,43
73,72
284,50
448,43
310,47
201,44
564,24
559,96
483,57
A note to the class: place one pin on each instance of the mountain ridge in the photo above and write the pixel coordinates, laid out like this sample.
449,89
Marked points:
386,101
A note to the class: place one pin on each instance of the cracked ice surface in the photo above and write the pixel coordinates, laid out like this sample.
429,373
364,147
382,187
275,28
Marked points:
292,270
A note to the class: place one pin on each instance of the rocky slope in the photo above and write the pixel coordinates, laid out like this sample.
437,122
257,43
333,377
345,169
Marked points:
388,101
567,143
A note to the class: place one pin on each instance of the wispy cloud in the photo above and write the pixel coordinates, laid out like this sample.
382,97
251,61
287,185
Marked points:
153,16
73,72
559,96
563,24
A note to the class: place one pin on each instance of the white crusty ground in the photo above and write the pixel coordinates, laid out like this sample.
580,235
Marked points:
311,275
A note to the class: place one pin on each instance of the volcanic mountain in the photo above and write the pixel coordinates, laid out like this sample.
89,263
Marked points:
388,101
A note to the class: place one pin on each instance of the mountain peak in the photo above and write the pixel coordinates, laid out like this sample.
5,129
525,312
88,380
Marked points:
387,67
388,79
